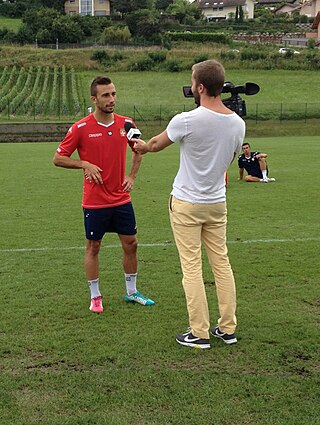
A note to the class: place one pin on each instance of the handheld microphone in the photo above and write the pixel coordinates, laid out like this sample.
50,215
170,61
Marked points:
132,131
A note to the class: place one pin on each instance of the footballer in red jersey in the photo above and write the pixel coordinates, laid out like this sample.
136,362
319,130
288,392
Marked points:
104,145
101,142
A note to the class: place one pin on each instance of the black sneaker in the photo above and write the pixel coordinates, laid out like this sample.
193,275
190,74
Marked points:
227,338
192,341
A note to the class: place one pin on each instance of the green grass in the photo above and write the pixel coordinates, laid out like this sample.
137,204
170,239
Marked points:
12,24
158,95
61,364
155,88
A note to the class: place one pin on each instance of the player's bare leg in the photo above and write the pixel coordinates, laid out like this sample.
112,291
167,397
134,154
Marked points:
130,266
91,267
251,179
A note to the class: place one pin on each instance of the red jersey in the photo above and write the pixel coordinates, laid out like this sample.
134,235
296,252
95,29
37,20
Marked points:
104,146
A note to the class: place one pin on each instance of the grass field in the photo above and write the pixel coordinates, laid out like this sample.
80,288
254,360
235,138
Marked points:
148,88
62,365
12,24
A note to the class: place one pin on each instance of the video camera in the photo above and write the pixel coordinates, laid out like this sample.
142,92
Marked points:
234,102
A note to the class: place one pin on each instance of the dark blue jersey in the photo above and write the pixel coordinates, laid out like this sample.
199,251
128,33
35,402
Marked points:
250,164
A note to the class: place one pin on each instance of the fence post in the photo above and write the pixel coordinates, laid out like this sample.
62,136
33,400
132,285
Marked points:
305,112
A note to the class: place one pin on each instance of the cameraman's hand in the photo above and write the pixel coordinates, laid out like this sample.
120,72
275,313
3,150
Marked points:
140,146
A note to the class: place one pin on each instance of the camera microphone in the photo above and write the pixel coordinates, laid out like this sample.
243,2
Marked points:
132,131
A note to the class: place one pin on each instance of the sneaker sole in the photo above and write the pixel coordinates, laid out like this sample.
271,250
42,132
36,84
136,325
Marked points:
229,342
137,302
190,344
93,311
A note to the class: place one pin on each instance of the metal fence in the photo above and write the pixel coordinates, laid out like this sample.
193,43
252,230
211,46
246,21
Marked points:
164,112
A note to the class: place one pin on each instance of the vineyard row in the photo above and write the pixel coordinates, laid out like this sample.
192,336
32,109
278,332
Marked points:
40,91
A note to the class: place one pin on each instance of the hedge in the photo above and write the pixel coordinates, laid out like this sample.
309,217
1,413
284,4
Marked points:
200,37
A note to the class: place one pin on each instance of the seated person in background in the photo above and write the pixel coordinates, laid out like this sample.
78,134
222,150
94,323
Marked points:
255,165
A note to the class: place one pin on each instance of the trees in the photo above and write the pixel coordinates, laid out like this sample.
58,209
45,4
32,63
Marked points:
54,4
115,35
13,10
185,12
163,4
128,6
17,8
144,23
47,25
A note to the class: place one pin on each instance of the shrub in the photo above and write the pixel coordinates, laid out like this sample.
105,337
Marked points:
166,42
100,55
228,55
252,55
173,66
313,60
311,43
145,64
118,56
201,58
158,57
289,54
200,37
114,35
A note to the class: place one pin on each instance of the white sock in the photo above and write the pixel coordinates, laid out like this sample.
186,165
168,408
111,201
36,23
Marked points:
131,280
264,174
94,288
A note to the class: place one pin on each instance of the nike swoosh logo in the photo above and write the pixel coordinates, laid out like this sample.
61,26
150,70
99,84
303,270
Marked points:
190,340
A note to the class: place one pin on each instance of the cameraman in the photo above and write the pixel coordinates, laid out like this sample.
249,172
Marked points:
255,165
210,136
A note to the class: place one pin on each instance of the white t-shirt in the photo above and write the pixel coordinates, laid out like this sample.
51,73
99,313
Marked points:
208,142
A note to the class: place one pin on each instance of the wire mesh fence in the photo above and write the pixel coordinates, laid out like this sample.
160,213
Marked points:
61,110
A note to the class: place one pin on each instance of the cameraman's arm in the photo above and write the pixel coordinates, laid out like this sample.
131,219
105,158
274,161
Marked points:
155,144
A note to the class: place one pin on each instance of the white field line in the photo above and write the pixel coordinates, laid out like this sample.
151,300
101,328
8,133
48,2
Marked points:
160,244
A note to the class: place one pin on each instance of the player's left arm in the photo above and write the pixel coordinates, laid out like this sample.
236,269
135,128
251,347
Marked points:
128,182
261,155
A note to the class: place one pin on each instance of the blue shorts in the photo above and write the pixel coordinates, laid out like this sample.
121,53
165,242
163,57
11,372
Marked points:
118,219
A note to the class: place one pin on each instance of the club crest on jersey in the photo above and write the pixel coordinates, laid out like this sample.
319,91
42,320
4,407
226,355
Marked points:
122,132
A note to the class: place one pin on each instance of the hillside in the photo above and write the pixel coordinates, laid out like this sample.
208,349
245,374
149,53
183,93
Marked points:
30,56
237,55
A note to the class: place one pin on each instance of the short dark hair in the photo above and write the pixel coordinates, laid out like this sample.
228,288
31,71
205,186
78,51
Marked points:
210,73
99,81
246,143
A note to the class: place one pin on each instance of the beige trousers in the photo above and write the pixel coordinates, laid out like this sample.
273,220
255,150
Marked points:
191,224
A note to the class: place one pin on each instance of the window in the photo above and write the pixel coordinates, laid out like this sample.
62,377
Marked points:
85,7
100,13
